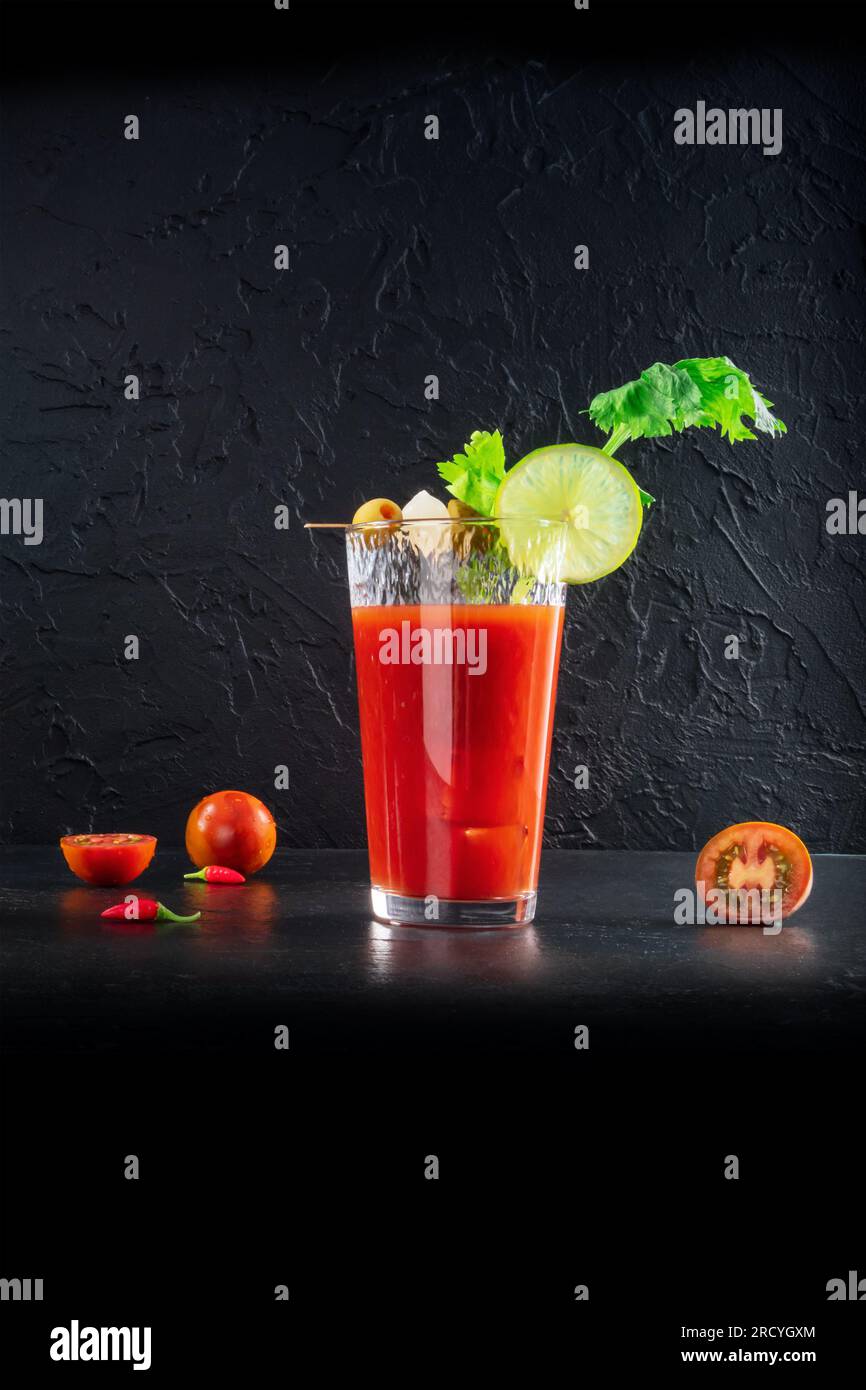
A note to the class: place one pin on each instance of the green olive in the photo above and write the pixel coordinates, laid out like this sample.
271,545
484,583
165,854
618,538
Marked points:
470,540
458,510
379,509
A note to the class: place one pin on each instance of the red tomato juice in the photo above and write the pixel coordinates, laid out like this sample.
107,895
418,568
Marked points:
456,756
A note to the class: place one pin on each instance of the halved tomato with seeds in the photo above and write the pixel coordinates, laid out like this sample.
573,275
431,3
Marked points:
108,859
755,855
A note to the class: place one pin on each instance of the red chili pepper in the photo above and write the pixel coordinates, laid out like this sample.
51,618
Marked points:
215,873
145,910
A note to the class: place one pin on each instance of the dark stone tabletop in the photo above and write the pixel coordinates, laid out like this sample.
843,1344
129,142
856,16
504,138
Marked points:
297,946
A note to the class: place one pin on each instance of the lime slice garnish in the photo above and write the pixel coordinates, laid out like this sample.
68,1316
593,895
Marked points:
584,487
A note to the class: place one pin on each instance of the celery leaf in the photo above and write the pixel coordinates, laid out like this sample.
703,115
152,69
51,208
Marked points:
474,477
703,391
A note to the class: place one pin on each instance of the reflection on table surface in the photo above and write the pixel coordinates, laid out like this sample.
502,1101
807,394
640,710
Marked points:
496,954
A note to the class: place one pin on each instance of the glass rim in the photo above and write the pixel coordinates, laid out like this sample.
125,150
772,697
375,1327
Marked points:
394,525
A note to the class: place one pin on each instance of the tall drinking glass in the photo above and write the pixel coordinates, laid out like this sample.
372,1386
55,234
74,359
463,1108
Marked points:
457,654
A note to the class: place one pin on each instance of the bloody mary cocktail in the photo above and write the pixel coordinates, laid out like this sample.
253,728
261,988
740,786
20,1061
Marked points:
456,757
456,660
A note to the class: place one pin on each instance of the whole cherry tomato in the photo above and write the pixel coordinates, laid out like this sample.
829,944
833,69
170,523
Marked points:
233,829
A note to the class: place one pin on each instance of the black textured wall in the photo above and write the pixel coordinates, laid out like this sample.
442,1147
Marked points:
306,387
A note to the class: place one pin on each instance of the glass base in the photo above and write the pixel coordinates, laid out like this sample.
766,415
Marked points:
452,912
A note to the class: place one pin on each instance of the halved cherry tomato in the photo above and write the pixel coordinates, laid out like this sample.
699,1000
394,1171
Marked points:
234,829
754,855
108,859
